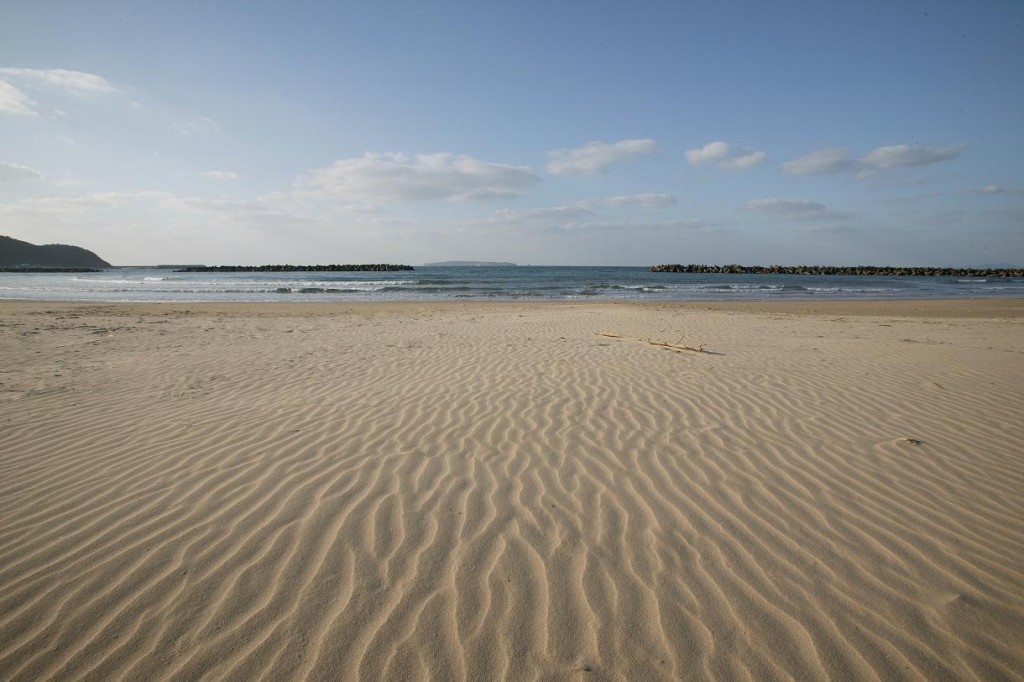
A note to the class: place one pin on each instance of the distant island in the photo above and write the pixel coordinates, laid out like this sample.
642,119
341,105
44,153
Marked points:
470,264
838,270
22,256
368,267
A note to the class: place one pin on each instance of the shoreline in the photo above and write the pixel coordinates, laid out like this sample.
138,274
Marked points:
1000,308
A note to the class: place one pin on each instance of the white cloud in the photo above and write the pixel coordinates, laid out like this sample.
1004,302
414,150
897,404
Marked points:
743,160
597,157
389,176
201,125
220,175
719,154
837,159
77,82
901,155
820,161
11,171
709,153
650,200
14,101
794,209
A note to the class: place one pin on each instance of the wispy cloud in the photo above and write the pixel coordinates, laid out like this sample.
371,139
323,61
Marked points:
902,155
1013,214
794,209
77,82
994,190
10,172
46,85
838,159
821,161
950,216
85,202
389,176
575,218
201,125
123,208
14,101
724,157
743,160
220,175
650,200
598,157
687,226
832,231
548,215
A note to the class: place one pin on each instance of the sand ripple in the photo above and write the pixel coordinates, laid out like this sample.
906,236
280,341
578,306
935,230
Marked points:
497,493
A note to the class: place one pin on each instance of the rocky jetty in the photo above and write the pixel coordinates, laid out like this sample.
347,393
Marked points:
839,270
365,267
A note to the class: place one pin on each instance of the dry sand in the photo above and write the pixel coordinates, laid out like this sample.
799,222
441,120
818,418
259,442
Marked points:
494,492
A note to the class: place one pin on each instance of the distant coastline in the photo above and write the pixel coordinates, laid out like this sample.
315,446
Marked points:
470,264
364,267
835,270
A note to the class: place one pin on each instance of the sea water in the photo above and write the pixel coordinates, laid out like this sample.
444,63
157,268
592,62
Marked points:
436,283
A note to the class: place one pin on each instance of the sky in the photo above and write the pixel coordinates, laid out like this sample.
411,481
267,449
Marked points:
546,133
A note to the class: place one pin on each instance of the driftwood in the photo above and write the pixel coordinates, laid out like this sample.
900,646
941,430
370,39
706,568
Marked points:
677,347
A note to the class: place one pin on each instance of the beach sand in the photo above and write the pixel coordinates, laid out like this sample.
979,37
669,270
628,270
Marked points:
494,491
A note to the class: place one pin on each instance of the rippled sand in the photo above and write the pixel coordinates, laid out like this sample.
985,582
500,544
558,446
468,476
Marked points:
495,492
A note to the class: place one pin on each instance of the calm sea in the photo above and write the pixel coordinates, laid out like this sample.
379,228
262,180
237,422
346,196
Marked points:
484,283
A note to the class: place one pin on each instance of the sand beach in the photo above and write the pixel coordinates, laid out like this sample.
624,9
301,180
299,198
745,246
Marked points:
491,491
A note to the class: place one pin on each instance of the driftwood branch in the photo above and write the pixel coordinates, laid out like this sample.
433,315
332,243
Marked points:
677,347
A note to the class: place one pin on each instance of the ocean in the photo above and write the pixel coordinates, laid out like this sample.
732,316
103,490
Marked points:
436,283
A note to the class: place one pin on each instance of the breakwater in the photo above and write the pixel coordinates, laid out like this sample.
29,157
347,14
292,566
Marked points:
839,270
365,267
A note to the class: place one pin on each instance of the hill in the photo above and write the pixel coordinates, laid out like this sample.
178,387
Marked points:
16,253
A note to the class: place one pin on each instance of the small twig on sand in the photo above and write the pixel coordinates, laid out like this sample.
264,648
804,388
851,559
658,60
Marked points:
913,441
677,347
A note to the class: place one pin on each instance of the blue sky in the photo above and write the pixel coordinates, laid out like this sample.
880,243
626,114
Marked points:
536,132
